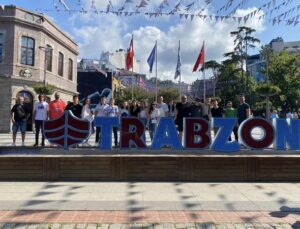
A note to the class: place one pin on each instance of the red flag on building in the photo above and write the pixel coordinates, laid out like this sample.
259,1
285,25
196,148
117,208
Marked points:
130,54
200,59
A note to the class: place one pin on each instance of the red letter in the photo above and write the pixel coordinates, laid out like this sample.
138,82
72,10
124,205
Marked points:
132,130
197,134
246,137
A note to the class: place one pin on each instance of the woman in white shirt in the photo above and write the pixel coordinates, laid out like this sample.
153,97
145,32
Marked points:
153,117
143,116
100,111
87,114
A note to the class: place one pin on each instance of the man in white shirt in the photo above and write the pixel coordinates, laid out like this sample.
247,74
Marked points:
113,111
40,114
163,107
100,111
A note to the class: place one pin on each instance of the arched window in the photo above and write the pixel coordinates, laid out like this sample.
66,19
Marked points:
49,57
60,64
70,70
27,51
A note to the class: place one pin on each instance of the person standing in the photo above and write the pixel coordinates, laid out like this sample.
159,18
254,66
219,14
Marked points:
134,109
216,112
124,111
86,114
40,114
100,111
19,115
197,109
243,111
143,116
207,109
113,111
172,109
153,116
183,109
231,112
75,107
163,107
56,107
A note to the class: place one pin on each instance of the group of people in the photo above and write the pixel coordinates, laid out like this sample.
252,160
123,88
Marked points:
149,114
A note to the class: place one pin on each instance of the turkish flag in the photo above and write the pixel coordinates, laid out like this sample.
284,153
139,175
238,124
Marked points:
130,54
200,60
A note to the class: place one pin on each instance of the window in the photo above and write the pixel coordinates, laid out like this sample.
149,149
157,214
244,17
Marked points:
70,72
49,55
60,64
1,47
27,51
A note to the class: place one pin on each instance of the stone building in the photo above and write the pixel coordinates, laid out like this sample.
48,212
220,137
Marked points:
33,49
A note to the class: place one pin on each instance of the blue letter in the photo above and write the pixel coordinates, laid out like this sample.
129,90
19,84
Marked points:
287,132
221,142
166,134
106,125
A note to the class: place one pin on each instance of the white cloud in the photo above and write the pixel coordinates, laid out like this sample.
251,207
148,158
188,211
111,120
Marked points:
109,32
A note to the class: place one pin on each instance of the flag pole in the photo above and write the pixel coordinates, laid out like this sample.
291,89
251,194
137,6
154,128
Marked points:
132,74
204,86
180,93
156,71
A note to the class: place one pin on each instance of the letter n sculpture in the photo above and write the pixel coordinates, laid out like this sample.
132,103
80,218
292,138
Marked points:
67,130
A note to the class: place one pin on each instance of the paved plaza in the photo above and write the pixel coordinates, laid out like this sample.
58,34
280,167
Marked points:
150,205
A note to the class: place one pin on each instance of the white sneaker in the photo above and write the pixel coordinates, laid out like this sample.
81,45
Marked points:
13,144
23,144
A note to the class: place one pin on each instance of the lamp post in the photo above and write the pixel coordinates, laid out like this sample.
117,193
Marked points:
46,50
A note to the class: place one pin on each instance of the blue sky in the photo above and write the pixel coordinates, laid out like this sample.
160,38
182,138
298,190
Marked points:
107,32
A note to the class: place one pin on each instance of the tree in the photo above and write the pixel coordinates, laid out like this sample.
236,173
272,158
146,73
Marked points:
284,72
243,40
267,90
169,94
229,81
138,94
47,89
215,67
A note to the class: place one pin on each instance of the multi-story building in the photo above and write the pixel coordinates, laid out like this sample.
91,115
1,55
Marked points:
256,64
278,45
33,49
118,60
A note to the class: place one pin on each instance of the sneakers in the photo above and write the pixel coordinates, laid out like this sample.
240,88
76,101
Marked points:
13,144
35,145
23,144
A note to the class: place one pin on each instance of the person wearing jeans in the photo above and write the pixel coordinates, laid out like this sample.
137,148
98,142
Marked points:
40,114
19,115
153,119
143,116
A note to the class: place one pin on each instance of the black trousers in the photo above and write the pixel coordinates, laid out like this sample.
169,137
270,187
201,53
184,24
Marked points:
98,131
39,126
115,131
235,132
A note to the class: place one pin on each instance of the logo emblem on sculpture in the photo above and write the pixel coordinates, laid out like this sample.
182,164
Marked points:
67,130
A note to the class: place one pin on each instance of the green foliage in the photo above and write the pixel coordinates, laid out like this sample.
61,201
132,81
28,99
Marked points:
139,94
169,94
284,72
266,89
229,83
47,89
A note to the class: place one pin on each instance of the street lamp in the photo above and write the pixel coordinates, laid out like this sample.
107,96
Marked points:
46,50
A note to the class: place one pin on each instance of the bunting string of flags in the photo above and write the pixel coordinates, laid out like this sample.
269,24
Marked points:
189,10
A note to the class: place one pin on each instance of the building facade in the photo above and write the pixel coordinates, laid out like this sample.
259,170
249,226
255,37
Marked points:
118,60
32,50
256,64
